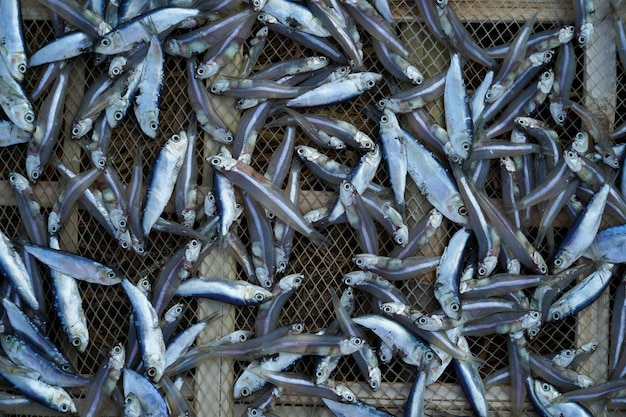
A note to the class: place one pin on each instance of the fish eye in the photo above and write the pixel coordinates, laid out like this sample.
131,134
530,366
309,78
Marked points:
214,88
374,385
384,119
582,39
297,281
76,342
534,314
482,270
463,211
387,309
560,117
228,138
102,162
350,397
115,71
533,332
111,275
117,349
75,131
29,117
154,125
568,353
21,68
64,408
558,262
122,224
370,83
347,281
419,80
118,115
571,154
216,161
319,374
359,261
547,55
455,306
488,95
12,178
53,228
259,297
245,392
556,316
400,240
253,411
347,186
124,244
66,367
543,269
382,104
465,146
298,327
545,387
151,372
200,71
422,320
429,356
105,42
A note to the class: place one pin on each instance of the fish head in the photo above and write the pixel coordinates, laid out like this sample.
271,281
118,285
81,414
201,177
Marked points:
33,167
291,282
345,394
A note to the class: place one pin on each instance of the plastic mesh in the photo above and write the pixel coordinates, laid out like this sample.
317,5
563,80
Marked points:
107,310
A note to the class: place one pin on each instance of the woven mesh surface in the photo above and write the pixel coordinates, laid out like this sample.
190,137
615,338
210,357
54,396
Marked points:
489,23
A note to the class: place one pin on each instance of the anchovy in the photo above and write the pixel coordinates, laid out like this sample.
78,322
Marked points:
24,355
51,396
150,400
225,290
266,193
149,332
332,92
141,28
75,266
166,169
104,382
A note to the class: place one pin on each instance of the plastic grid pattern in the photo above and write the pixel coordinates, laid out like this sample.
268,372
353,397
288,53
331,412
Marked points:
323,268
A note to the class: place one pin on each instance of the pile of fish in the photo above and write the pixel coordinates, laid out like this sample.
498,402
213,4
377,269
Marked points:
506,269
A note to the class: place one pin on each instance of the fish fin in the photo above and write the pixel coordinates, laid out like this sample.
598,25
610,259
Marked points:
319,239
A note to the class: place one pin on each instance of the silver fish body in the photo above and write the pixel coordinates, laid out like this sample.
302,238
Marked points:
163,180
